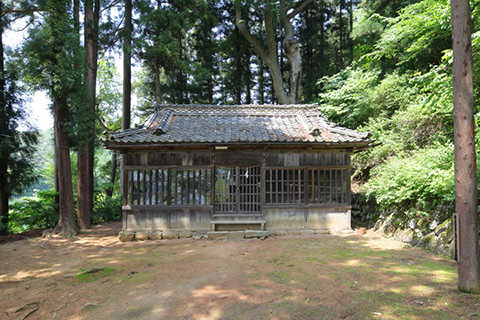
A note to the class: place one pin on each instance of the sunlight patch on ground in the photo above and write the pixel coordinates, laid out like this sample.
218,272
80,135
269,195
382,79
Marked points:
422,290
395,290
353,263
158,312
40,273
213,314
440,276
167,294
214,291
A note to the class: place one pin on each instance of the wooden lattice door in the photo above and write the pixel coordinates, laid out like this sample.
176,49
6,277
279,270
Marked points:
238,190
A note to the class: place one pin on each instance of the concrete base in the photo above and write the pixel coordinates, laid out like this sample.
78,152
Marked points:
156,224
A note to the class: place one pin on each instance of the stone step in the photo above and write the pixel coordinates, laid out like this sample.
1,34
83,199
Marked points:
215,223
236,235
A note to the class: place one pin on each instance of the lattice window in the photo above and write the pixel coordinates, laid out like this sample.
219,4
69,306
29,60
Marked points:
284,186
328,186
323,186
177,186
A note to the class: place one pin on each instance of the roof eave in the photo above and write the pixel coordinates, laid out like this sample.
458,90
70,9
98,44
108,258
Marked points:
126,146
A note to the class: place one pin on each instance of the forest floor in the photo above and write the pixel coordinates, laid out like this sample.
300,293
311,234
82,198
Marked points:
314,277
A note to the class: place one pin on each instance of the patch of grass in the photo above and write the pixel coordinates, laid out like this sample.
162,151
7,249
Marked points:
89,277
281,277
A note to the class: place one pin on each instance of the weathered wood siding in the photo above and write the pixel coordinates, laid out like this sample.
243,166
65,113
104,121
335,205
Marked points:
301,198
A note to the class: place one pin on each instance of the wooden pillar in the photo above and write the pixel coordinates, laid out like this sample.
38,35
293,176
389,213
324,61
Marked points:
262,182
348,195
124,189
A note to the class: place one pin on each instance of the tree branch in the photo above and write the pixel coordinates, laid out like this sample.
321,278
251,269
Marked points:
299,7
110,5
242,27
270,30
22,11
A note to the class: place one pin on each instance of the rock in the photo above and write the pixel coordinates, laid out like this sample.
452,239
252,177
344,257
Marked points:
184,234
433,225
421,223
411,224
443,226
170,234
256,234
378,225
126,236
90,305
388,226
199,235
141,236
430,241
405,236
156,235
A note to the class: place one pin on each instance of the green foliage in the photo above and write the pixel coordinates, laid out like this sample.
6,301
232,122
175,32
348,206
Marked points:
416,38
346,97
32,213
17,144
422,182
408,110
106,209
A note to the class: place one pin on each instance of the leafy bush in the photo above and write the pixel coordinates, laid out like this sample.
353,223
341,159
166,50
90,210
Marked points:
346,97
106,209
32,213
419,185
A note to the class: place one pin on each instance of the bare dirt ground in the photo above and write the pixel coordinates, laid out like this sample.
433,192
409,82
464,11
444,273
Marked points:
318,277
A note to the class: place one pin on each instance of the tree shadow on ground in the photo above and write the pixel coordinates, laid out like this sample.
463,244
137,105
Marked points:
319,277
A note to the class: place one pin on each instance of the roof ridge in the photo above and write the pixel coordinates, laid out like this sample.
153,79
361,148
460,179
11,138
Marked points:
229,106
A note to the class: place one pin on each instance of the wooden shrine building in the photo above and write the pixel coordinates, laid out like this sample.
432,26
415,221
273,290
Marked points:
197,168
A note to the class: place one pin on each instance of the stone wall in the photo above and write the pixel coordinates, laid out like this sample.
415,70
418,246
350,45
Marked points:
436,237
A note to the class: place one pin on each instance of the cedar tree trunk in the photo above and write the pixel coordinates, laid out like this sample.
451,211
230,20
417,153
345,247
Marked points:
67,224
86,152
4,192
466,198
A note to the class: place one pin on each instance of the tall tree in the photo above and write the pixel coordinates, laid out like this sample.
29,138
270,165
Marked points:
466,193
285,93
127,67
50,64
16,146
59,33
86,150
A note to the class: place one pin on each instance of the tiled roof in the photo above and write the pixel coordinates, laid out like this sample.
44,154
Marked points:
233,124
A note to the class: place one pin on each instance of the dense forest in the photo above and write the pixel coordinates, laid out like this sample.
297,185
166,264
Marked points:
379,66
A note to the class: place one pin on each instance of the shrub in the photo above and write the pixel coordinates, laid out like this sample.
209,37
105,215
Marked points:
32,213
347,96
106,209
420,185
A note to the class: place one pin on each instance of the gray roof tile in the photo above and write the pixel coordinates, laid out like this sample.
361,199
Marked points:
237,124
